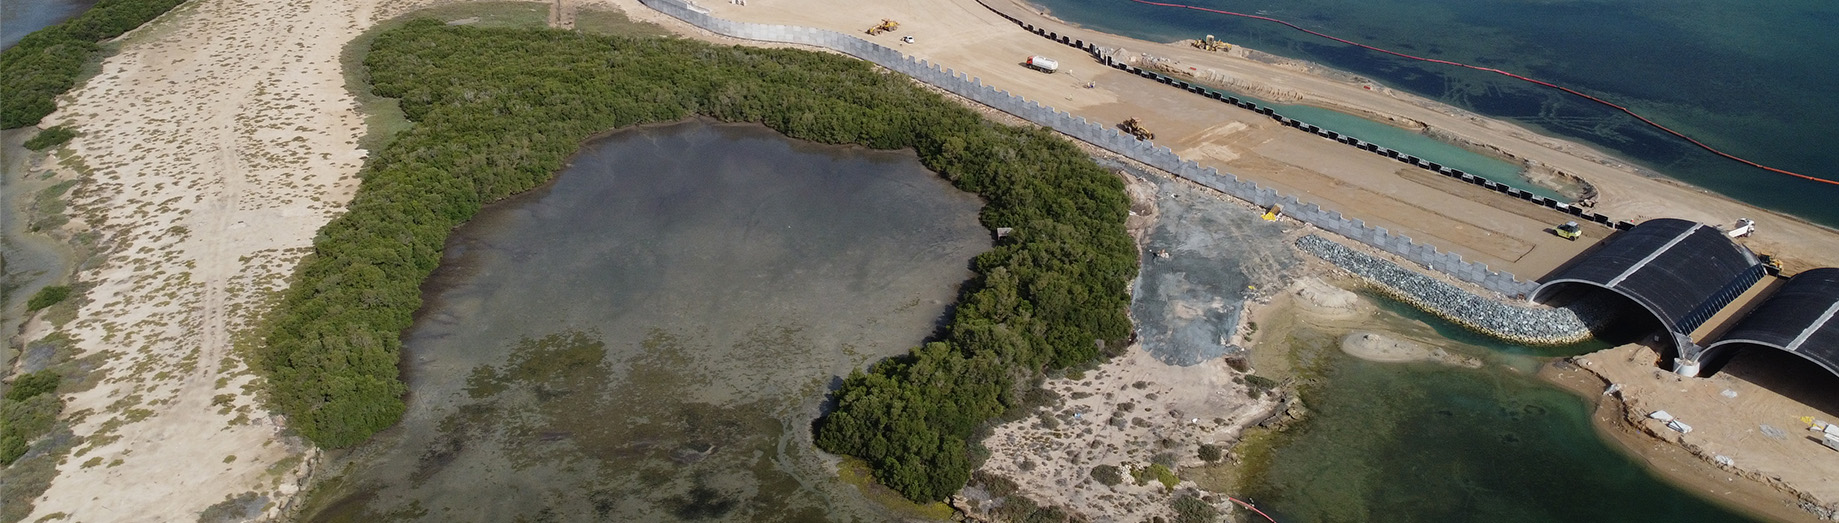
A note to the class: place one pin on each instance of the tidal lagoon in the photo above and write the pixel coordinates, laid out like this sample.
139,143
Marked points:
649,337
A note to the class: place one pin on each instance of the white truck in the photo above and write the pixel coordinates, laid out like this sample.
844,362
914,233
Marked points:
1043,63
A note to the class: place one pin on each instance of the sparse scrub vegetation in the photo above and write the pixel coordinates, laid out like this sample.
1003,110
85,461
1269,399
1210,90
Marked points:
1256,385
50,137
1155,472
47,297
27,412
1107,475
1189,509
1210,453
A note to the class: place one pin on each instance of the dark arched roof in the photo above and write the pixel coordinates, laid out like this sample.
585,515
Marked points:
1682,272
1799,318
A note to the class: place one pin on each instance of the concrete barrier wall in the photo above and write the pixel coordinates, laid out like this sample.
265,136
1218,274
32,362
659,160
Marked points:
1107,138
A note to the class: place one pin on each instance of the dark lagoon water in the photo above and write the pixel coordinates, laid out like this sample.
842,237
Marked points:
19,18
1753,79
650,337
1430,442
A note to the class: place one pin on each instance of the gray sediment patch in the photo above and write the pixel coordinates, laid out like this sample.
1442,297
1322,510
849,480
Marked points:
1531,325
1203,259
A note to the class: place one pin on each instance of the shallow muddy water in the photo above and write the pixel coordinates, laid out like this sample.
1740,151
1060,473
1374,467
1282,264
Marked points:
650,337
29,260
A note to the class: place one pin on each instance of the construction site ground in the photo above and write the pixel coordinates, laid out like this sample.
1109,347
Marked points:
1503,232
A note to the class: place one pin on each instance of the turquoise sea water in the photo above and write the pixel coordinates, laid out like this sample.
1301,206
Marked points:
1755,79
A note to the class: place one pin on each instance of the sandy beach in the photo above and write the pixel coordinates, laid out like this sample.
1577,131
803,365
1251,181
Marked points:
221,137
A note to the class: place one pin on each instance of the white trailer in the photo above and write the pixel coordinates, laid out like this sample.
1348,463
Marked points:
1043,63
1744,227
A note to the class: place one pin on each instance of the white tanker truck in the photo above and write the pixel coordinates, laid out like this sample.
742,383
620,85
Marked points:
1045,64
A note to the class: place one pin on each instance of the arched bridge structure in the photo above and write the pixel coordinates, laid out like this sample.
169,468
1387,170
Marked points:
1680,272
1798,318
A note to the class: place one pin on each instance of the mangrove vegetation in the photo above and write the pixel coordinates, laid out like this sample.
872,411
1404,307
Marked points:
49,61
497,111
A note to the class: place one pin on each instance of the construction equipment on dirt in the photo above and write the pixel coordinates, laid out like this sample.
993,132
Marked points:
1042,63
1210,44
1770,264
1569,231
1136,129
1275,211
885,26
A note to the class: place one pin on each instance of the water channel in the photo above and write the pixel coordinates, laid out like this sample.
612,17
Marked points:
649,337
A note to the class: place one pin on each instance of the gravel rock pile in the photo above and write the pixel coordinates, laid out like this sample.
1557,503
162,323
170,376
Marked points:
1532,325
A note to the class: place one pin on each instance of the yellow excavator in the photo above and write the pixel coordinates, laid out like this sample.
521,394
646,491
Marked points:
885,26
1136,129
1210,44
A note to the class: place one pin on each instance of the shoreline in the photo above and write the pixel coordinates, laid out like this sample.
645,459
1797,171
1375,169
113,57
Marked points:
1621,188
1308,67
1668,461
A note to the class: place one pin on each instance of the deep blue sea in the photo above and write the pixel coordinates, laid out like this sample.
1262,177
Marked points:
1755,79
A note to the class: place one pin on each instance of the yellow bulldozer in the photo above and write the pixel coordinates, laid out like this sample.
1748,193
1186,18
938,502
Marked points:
886,25
1210,44
1135,128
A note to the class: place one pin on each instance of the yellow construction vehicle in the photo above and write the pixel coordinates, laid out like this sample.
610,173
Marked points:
885,26
1275,211
1569,231
1210,44
1770,264
1136,129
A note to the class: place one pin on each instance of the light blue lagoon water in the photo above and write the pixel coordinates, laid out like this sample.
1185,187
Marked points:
1753,79
1412,143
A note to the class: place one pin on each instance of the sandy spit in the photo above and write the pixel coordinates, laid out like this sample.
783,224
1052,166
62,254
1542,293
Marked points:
215,144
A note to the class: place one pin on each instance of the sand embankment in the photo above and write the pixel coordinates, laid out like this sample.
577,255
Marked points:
1382,347
215,144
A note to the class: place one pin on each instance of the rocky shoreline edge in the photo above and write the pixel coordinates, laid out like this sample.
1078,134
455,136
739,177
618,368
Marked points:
1529,325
